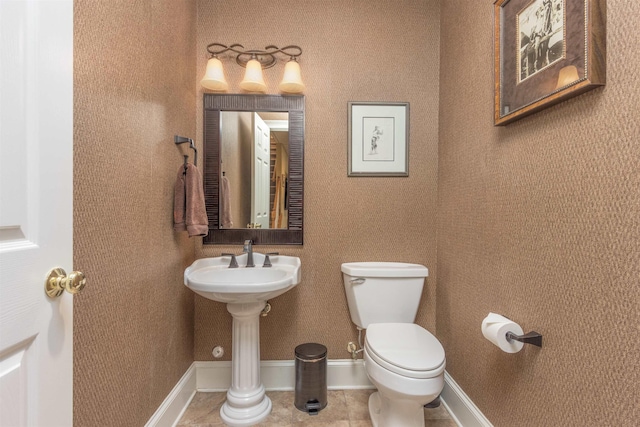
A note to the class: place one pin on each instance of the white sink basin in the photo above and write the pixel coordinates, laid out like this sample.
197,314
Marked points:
213,279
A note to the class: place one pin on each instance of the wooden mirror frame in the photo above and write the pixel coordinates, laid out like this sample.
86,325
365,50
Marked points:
294,105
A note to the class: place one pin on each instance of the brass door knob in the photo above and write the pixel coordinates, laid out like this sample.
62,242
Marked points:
57,282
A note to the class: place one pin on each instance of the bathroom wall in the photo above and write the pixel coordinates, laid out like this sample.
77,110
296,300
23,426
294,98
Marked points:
133,90
539,221
353,50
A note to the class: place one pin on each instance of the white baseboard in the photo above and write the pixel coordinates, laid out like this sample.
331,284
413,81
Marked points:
347,374
342,374
462,409
174,405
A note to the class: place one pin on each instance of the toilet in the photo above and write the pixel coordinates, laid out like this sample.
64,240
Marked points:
403,360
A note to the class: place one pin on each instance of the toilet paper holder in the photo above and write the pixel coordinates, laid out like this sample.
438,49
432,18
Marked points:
531,338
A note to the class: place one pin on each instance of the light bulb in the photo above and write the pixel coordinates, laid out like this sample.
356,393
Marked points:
292,78
214,76
253,80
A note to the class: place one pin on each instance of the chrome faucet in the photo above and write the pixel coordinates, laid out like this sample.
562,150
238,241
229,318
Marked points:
249,251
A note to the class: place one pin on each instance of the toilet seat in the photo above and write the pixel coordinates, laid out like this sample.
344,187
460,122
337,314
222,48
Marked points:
406,349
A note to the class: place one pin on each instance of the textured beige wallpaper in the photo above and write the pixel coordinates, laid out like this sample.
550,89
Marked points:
133,90
539,221
353,51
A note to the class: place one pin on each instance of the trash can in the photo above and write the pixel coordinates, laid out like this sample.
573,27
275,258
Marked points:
311,378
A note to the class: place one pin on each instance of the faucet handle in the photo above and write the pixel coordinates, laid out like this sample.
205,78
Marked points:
234,261
267,261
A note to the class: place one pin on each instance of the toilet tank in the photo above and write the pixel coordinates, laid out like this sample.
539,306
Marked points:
383,292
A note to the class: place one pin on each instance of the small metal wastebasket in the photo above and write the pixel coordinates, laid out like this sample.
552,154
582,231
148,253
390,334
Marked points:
311,378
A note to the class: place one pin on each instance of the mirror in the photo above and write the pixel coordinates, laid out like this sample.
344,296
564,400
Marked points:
253,168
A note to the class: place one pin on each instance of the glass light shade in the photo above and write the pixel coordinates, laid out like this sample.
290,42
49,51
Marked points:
292,79
214,76
253,80
567,75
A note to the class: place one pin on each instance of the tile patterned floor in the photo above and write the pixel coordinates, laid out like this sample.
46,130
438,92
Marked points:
348,408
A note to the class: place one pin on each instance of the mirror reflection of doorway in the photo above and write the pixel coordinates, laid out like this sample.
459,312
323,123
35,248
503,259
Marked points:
254,148
279,173
260,173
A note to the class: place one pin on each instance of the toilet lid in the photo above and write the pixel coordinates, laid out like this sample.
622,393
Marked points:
406,346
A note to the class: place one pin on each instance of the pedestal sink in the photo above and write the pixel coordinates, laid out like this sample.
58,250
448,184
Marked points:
245,291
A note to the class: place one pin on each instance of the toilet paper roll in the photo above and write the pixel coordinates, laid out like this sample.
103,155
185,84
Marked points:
495,328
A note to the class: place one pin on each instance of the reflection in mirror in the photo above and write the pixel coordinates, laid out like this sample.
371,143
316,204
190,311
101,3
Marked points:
254,150
253,168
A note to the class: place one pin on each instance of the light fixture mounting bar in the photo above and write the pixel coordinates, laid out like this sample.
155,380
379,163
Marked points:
267,57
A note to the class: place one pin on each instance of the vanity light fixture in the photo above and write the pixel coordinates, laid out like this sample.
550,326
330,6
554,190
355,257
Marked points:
254,61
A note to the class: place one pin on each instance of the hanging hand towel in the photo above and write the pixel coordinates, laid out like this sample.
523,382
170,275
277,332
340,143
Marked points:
225,204
189,212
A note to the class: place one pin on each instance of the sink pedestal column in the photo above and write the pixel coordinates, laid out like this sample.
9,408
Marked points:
247,403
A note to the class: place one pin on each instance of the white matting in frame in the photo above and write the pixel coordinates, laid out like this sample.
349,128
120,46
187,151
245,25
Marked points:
378,139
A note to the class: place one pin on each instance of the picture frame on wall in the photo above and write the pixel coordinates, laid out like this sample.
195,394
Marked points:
378,139
546,51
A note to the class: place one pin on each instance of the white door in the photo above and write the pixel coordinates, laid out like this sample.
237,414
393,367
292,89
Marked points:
260,173
36,159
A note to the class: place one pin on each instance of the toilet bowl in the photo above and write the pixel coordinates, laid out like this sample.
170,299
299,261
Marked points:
406,364
404,361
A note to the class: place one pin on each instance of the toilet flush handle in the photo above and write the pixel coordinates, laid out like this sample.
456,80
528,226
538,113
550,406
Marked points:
357,281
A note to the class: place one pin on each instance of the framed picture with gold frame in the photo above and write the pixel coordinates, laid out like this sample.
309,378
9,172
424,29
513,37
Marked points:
546,51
